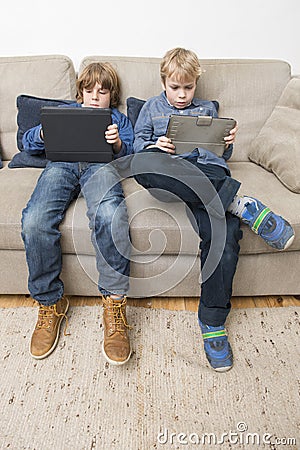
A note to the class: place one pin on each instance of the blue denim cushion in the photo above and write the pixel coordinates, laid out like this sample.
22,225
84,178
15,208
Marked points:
134,106
29,108
25,159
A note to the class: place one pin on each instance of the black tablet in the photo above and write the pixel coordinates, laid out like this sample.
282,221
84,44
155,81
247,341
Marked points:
75,134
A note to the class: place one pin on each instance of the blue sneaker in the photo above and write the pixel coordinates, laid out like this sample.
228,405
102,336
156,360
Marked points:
274,229
217,347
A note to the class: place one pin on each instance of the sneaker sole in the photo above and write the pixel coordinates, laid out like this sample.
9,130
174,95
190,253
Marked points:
288,243
111,361
56,340
223,369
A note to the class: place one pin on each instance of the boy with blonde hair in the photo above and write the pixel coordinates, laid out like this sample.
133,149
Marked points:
180,71
59,184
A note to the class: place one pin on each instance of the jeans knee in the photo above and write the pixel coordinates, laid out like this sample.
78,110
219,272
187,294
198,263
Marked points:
29,223
234,232
36,222
230,255
232,247
227,246
111,212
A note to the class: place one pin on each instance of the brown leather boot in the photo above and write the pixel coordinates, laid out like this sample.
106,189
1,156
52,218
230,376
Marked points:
116,346
46,334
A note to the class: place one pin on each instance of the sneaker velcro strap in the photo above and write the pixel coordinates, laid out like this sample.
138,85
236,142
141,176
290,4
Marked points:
214,334
259,219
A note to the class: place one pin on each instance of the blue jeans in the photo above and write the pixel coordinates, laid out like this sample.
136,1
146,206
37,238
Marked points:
206,204
59,184
216,290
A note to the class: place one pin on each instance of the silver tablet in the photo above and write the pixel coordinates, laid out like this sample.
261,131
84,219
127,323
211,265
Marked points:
190,132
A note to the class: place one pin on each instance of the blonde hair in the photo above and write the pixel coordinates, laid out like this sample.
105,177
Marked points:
180,62
105,75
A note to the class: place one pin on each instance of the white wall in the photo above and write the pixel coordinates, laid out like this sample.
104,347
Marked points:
213,28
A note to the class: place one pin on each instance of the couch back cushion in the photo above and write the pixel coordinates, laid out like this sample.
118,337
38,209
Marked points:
246,90
51,76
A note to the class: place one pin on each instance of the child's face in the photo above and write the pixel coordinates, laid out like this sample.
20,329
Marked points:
181,92
96,97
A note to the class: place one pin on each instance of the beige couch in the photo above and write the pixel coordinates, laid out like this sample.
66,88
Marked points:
165,259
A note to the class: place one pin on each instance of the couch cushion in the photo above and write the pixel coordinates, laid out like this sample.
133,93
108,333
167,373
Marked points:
29,115
49,76
134,105
16,188
156,227
175,233
25,159
277,147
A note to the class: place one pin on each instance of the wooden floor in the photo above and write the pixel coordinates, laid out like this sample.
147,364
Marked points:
171,303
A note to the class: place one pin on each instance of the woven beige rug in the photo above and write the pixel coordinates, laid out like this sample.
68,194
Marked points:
166,397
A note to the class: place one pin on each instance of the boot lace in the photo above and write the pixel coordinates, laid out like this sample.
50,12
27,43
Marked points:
45,317
115,309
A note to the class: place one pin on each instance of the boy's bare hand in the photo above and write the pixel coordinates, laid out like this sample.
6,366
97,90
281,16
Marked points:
230,139
165,144
112,134
112,137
